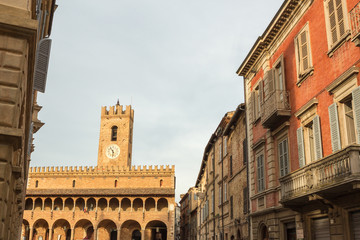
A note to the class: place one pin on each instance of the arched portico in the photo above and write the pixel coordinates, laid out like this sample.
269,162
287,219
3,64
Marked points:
107,230
61,229
25,230
40,230
84,229
156,230
128,228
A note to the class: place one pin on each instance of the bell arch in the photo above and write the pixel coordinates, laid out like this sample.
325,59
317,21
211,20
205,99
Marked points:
156,230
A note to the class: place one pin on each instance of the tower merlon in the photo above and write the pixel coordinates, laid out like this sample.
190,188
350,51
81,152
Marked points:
117,110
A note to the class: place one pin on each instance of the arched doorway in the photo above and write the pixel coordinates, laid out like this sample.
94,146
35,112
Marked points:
60,229
128,228
264,233
156,230
84,229
41,228
25,230
107,230
136,235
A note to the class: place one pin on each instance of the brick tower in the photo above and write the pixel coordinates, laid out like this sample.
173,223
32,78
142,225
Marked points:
115,142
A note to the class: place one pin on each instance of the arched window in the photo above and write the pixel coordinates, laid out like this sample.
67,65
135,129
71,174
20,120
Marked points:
36,183
73,183
161,183
115,183
114,133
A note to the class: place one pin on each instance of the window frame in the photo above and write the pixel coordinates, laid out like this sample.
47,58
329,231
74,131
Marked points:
260,187
333,46
302,73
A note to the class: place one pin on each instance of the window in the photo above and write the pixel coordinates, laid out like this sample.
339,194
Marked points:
260,172
220,195
246,200
283,157
336,21
161,182
225,146
115,183
36,183
245,153
114,133
256,100
279,77
73,184
220,152
231,166
303,53
231,207
213,161
213,201
225,192
309,137
345,120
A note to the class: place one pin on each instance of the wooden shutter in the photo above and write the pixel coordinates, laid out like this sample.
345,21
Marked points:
317,138
321,229
281,159
41,64
286,157
334,128
340,17
282,61
332,21
252,107
260,175
300,143
271,82
261,91
356,109
355,220
304,51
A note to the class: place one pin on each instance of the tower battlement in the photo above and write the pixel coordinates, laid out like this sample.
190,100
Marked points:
99,170
117,110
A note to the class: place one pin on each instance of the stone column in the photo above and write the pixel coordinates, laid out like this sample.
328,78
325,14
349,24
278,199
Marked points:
118,233
50,233
95,234
142,234
72,233
31,233
155,205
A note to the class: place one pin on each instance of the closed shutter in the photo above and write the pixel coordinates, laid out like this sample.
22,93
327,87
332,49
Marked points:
356,107
304,51
260,172
261,92
252,107
286,157
340,17
282,87
355,219
332,21
317,138
271,82
300,143
334,128
41,64
281,160
321,229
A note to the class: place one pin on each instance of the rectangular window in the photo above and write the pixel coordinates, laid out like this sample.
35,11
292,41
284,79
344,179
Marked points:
283,157
220,152
260,173
213,201
245,153
220,195
225,192
231,166
303,53
246,200
213,161
225,146
336,21
231,207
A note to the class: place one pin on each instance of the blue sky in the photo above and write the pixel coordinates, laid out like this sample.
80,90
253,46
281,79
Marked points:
173,61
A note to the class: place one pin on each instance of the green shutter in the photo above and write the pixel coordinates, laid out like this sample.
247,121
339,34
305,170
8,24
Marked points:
281,160
334,128
356,107
286,157
317,138
300,143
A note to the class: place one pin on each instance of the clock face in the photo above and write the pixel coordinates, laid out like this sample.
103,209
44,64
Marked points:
112,151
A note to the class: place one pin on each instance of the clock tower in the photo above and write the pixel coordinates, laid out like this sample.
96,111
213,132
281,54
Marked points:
116,131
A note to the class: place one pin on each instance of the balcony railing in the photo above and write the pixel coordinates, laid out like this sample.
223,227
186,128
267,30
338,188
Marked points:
355,23
332,171
275,108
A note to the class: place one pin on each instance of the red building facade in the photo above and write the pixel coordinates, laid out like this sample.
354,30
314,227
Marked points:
301,81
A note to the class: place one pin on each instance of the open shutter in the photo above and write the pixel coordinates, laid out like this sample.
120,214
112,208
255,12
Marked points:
281,160
317,138
300,143
271,82
304,51
252,107
356,107
286,157
261,91
340,17
334,128
42,64
332,21
282,73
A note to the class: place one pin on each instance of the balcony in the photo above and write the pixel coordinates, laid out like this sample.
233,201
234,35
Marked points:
355,24
330,177
276,109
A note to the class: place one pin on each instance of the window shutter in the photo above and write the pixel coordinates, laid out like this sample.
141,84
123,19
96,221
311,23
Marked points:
286,157
300,143
283,71
356,102
271,82
317,138
253,109
281,160
340,17
304,51
334,128
332,21
42,64
261,91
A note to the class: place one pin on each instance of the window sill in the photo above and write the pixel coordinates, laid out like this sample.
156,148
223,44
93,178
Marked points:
304,76
339,43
